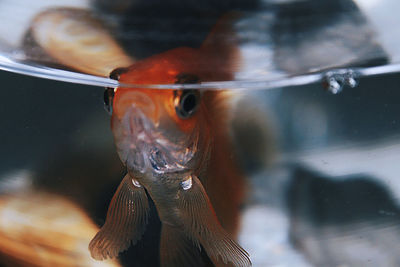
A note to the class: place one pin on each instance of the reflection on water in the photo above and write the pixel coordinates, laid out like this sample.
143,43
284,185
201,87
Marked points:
350,220
323,184
333,33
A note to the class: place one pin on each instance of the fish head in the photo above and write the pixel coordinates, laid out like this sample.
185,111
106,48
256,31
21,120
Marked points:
157,131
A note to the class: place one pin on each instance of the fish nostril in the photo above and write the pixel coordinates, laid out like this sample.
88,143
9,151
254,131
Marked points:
138,101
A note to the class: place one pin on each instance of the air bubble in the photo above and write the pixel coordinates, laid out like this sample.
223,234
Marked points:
334,86
351,82
335,81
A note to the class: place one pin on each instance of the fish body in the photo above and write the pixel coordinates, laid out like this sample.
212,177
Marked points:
175,145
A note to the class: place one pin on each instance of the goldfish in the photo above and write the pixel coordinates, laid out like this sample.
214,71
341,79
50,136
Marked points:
176,147
168,140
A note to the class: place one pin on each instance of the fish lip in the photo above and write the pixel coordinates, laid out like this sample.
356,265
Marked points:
145,148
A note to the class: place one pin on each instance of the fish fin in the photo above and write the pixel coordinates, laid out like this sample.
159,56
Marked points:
176,249
126,221
201,223
223,32
222,46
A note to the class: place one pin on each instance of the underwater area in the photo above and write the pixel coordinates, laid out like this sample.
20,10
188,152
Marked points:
188,133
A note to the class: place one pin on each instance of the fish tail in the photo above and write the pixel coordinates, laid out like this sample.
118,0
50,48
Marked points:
201,223
176,249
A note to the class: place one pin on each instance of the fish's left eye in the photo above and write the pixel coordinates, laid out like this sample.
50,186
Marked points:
108,99
186,102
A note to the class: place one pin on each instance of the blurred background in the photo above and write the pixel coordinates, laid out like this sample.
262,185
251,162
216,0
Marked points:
322,167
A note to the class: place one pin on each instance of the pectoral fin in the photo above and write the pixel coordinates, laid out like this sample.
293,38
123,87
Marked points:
201,224
125,223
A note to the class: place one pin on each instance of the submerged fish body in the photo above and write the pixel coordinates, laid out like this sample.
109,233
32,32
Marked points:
173,141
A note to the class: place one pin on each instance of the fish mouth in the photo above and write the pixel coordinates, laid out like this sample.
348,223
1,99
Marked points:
145,147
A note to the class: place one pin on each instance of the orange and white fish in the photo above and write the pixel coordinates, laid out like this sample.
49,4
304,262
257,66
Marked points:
168,140
176,147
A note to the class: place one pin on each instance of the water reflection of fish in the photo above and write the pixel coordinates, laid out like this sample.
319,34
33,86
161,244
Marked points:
332,215
171,141
176,147
77,39
44,229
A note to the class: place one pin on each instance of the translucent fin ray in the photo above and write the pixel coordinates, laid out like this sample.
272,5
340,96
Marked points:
125,223
202,224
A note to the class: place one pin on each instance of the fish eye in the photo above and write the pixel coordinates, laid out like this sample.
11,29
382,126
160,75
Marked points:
186,102
108,99
108,95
